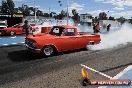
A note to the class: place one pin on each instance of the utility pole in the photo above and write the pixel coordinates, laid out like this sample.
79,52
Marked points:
67,12
49,16
35,12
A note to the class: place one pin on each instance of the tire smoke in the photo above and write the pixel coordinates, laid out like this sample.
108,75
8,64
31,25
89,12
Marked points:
115,37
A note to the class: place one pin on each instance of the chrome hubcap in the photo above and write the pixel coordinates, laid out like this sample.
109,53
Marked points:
48,50
12,32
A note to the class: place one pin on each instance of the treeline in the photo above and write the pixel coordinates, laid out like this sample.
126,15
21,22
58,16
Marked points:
8,7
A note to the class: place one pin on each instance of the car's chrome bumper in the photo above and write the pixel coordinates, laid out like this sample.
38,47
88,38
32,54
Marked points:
33,49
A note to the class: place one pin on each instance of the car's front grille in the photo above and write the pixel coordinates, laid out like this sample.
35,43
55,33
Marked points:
29,43
1,27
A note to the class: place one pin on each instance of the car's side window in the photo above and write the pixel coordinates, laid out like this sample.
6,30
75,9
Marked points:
56,30
69,32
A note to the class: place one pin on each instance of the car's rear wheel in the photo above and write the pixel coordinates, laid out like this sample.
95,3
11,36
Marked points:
48,51
89,45
12,33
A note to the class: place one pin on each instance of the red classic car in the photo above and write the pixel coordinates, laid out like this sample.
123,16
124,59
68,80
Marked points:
60,38
16,29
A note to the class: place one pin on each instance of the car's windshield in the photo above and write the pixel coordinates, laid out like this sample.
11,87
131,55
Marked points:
15,26
56,31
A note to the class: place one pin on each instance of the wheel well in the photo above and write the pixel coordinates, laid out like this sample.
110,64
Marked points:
91,42
13,31
51,46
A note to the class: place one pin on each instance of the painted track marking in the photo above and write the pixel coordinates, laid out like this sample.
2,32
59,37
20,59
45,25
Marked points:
96,71
12,44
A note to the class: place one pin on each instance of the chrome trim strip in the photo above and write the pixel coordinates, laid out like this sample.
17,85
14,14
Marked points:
32,48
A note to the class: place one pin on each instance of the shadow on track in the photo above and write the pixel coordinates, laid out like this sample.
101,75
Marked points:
23,55
117,67
25,64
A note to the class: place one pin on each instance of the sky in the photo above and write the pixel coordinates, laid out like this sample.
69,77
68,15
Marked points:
115,8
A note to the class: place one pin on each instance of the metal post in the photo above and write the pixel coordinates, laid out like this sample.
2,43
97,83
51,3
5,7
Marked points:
49,16
67,12
35,13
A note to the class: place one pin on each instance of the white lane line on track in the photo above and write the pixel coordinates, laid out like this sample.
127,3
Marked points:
12,44
16,37
96,71
13,37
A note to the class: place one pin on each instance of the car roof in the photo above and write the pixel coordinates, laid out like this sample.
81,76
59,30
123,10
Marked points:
66,26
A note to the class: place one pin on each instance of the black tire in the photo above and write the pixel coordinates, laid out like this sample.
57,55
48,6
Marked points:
48,51
0,33
12,33
89,45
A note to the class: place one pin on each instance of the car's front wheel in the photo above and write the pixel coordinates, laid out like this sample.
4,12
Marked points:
0,33
12,33
48,51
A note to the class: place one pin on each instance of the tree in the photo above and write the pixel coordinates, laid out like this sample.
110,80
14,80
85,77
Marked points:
96,19
4,8
130,20
102,16
46,14
111,18
39,13
25,10
11,6
121,20
32,10
75,16
74,12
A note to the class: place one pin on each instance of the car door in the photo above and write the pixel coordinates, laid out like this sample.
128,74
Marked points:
20,29
69,40
76,41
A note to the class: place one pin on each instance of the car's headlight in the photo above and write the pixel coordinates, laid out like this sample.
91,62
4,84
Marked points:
31,43
34,44
26,41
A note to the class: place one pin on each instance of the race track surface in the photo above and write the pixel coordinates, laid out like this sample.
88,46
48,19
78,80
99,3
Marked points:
20,68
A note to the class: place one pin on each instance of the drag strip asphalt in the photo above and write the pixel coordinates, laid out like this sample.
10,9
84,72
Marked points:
17,63
17,59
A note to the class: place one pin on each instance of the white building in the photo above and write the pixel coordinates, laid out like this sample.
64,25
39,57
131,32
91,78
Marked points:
104,23
86,19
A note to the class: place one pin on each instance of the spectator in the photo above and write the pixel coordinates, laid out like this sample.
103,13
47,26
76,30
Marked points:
97,28
94,28
108,27
27,28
